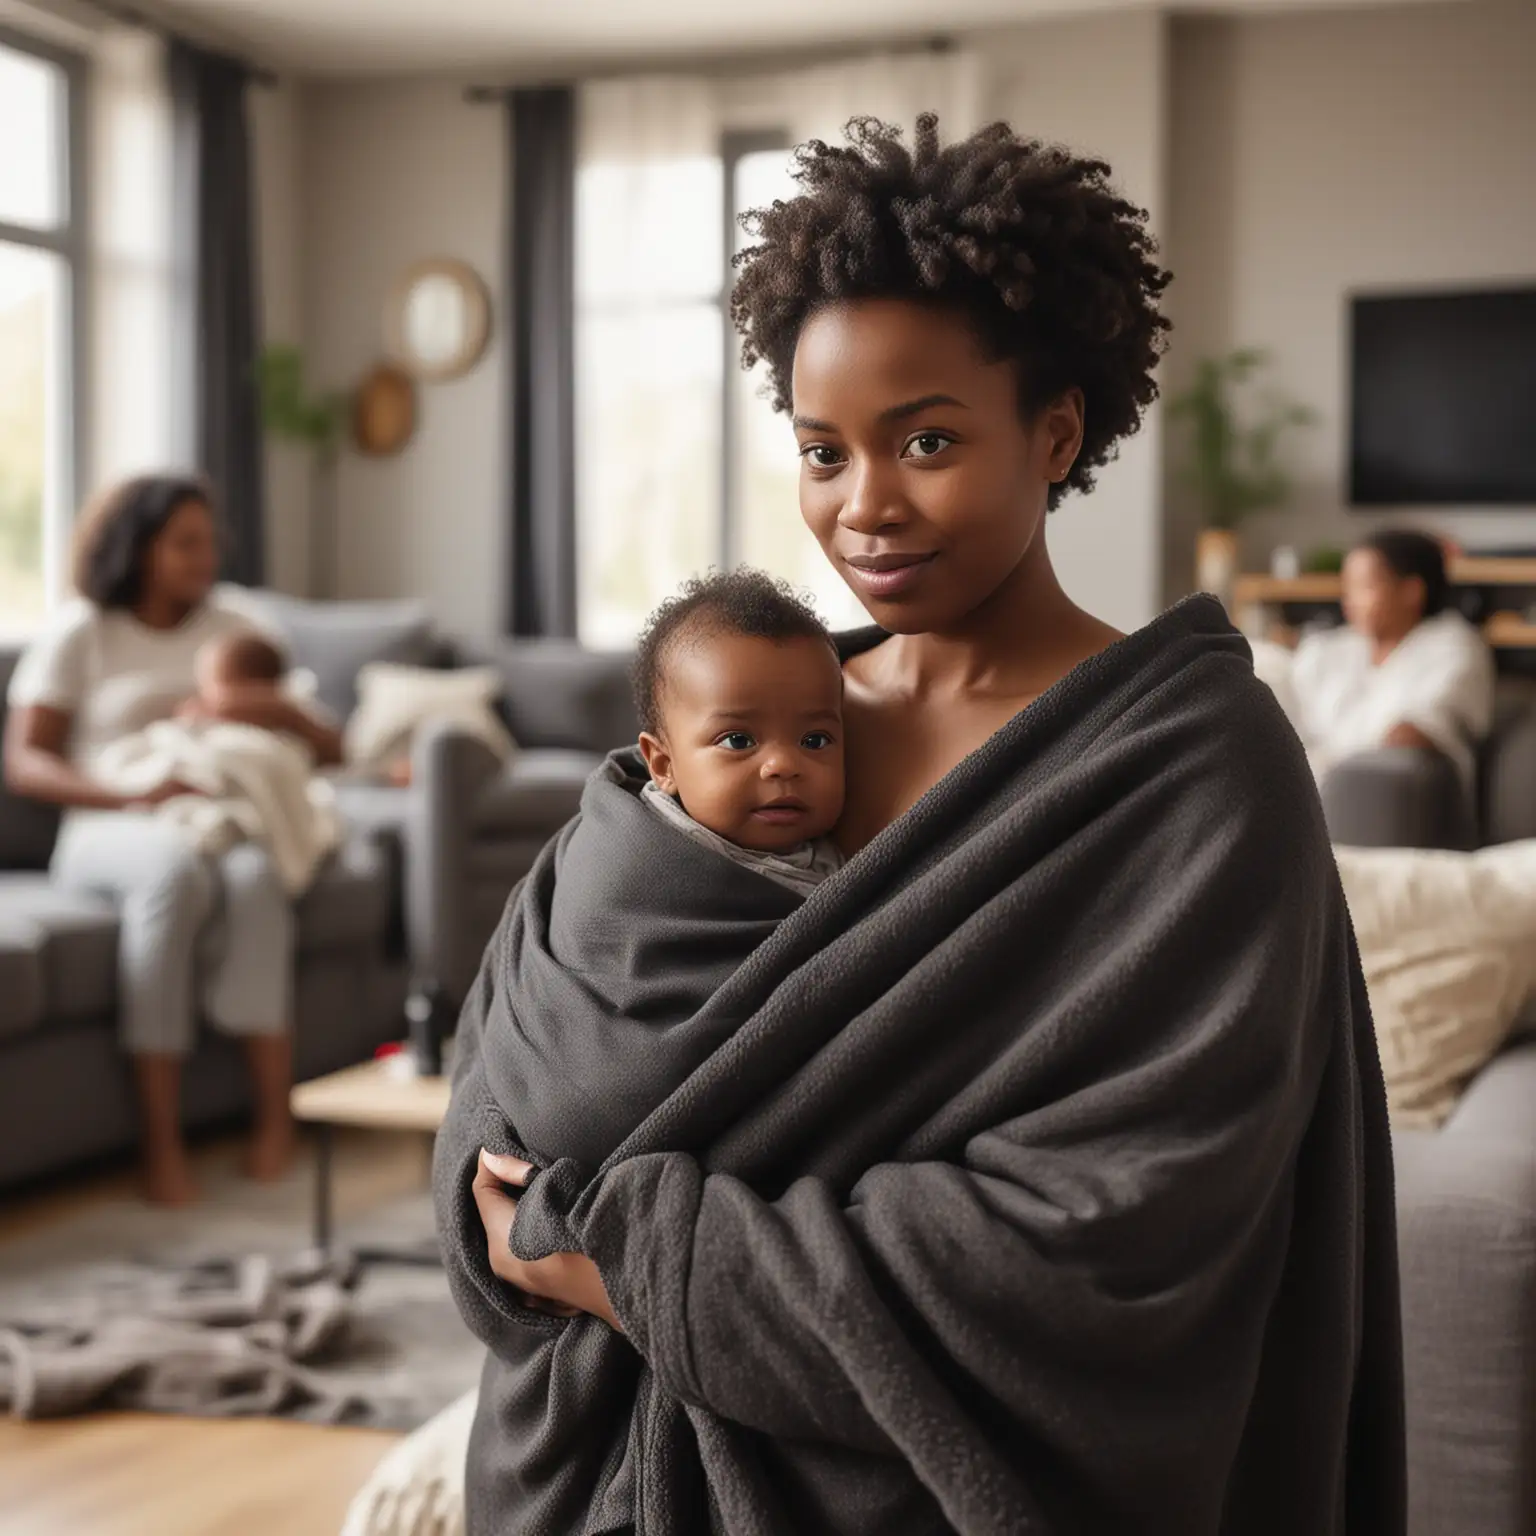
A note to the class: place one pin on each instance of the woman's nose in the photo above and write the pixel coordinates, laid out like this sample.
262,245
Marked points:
875,501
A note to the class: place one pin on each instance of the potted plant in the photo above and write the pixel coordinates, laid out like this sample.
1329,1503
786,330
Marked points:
291,414
1233,456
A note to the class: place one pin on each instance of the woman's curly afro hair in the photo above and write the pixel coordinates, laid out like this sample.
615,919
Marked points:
1049,263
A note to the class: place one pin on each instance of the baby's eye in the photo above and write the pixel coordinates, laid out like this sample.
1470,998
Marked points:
816,741
736,741
927,444
819,456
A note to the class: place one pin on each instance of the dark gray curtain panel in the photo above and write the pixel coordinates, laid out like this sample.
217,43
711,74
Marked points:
218,323
541,396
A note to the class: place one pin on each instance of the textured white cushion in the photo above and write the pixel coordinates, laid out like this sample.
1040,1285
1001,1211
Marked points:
394,701
1448,944
418,1488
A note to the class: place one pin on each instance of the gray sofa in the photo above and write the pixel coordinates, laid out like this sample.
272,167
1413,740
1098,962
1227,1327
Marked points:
408,903
1466,1194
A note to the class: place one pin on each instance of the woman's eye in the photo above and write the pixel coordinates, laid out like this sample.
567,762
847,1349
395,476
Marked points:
819,456
737,741
816,741
926,444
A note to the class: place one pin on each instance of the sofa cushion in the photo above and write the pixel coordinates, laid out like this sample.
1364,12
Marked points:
349,903
539,792
558,694
336,640
27,830
1445,944
78,949
21,973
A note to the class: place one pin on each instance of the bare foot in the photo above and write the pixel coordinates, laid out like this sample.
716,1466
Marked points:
270,1153
168,1180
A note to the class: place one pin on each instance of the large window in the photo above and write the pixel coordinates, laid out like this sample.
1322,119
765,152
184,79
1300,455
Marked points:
681,464
39,246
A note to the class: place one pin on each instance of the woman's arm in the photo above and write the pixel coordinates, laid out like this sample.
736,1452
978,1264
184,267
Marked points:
36,767
267,711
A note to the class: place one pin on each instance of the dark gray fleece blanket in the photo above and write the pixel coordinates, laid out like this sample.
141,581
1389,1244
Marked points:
1031,1177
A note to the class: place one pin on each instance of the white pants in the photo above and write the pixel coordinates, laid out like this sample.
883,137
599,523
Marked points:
191,929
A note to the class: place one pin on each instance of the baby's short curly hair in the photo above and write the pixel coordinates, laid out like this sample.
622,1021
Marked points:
739,602
1051,265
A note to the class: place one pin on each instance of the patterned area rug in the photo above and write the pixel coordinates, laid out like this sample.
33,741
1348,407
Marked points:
256,1324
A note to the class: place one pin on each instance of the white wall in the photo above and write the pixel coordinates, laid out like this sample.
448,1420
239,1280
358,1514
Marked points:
1316,155
394,173
1099,85
277,140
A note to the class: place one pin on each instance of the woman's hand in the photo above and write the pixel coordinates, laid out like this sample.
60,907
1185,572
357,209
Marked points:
564,1284
267,710
1405,735
171,789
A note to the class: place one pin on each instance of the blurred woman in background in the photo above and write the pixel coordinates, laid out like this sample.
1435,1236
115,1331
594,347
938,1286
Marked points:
196,935
1405,669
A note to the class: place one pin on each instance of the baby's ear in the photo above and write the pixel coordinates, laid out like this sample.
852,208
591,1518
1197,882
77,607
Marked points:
654,750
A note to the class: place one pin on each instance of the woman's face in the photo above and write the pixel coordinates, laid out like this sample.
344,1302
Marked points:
920,479
1377,602
183,561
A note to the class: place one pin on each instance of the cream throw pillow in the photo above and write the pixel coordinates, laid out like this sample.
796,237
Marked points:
394,702
1448,944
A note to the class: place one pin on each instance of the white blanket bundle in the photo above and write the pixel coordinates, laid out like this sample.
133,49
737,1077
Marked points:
251,785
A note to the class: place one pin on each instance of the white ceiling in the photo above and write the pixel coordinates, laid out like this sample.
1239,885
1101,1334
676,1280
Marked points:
501,38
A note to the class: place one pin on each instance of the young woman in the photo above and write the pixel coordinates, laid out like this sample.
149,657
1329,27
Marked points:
1405,670
147,560
1034,1175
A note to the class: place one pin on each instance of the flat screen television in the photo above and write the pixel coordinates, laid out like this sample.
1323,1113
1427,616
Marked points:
1443,399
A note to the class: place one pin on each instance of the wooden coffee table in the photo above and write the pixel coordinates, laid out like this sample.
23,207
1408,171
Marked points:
371,1096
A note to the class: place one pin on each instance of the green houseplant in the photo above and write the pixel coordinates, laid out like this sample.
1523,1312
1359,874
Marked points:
1235,432
291,414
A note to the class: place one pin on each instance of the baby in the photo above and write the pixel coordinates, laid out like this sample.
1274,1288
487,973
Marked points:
740,695
234,667
242,782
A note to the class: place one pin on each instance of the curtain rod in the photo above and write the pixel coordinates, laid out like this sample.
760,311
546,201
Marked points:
735,64
131,16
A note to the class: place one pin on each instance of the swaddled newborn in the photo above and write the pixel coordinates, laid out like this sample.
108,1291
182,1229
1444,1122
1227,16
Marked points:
687,855
740,696
245,782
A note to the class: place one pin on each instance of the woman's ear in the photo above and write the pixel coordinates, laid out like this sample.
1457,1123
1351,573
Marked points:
654,750
1062,423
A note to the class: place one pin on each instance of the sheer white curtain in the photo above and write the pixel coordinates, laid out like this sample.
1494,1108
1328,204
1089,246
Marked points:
130,269
649,350
895,87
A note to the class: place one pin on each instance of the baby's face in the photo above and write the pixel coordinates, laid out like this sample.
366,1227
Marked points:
752,738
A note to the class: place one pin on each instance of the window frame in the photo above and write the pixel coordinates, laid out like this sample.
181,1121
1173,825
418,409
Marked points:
68,241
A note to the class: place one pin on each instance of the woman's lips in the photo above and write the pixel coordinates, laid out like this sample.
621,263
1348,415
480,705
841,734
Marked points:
887,575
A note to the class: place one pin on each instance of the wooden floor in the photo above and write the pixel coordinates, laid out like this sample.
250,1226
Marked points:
135,1474
153,1475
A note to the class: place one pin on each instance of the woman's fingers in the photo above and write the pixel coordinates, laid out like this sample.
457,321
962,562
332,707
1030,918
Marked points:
497,1211
510,1170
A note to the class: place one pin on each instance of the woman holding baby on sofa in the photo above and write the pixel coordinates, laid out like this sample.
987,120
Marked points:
1019,1161
199,934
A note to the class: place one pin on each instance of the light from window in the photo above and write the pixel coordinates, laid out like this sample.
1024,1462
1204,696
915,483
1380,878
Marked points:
648,365
31,130
35,335
652,498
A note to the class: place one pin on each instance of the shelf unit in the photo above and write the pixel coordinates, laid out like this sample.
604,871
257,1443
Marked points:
1504,631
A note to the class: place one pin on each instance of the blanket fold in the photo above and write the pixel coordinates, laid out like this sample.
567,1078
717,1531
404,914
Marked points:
252,785
1032,1175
